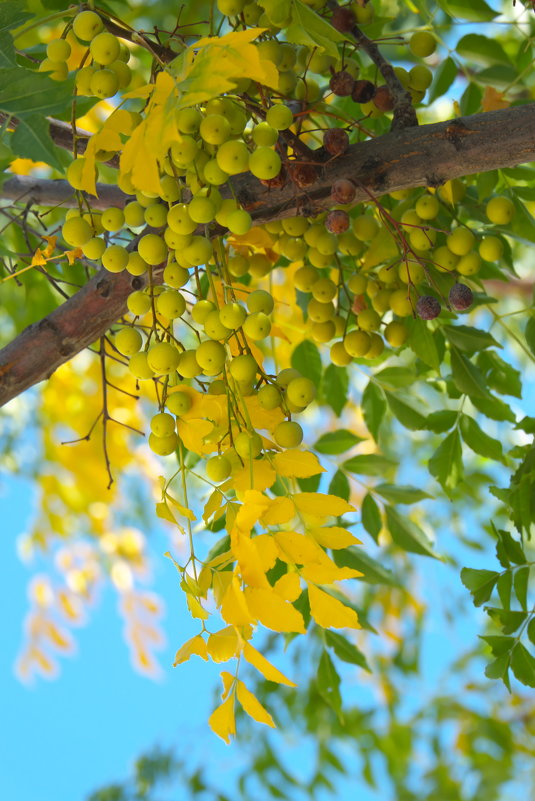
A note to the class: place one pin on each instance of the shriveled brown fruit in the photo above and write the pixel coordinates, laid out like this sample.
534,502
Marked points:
335,141
278,182
343,191
341,83
383,98
337,221
343,19
363,91
303,175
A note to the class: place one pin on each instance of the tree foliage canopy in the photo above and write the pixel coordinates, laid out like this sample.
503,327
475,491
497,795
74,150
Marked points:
271,263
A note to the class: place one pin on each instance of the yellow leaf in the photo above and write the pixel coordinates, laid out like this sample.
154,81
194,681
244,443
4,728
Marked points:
194,646
138,161
223,644
38,258
269,671
493,100
297,548
334,537
267,550
297,464
164,512
221,581
228,680
253,507
326,571
272,611
212,505
251,567
182,509
288,586
48,251
281,510
193,433
234,607
222,720
252,705
320,505
220,559
264,476
72,255
195,608
328,612
263,418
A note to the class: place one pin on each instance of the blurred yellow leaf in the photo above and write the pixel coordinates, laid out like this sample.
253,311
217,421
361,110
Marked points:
288,586
267,550
234,607
334,537
297,548
281,510
269,671
195,607
251,567
328,612
252,705
320,505
263,476
493,100
223,644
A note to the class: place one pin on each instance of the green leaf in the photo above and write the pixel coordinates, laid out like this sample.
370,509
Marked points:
306,358
340,485
523,665
399,493
480,583
12,14
469,339
371,516
328,682
445,75
504,586
335,442
531,630
441,421
335,385
478,441
373,408
24,92
493,407
308,28
467,377
7,50
499,669
482,50
499,375
512,548
396,377
345,650
508,621
369,464
407,534
529,333
405,412
309,484
499,645
422,342
521,580
446,464
32,140
473,10
372,571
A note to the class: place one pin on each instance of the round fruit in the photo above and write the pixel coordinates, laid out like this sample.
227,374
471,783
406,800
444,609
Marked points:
232,315
491,248
396,333
86,25
461,241
138,303
365,227
188,366
243,368
171,304
460,297
105,48
138,366
112,219
152,249
500,210
213,327
279,117
260,301
163,446
357,284
339,355
264,135
175,276
104,83
134,214
58,50
287,375
265,163
257,326
115,258
427,207
301,391
376,348
211,356
368,320
239,222
201,310
469,264
288,434
422,44
215,129
128,341
233,157
94,248
163,358
162,424
269,397
248,445
357,343
76,231
178,403
427,307
218,468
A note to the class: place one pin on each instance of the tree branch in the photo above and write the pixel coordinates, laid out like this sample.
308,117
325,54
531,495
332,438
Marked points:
427,155
44,192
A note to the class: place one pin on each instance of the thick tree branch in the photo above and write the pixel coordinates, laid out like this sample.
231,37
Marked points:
427,155
44,192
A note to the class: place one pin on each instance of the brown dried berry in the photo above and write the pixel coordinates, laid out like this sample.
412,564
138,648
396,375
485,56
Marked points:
341,83
460,297
343,19
427,307
335,141
303,175
343,191
278,182
383,99
363,91
337,221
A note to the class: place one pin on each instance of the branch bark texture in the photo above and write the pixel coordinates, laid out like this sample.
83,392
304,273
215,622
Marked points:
427,155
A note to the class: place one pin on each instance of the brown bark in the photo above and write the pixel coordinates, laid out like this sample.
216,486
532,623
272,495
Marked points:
427,155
